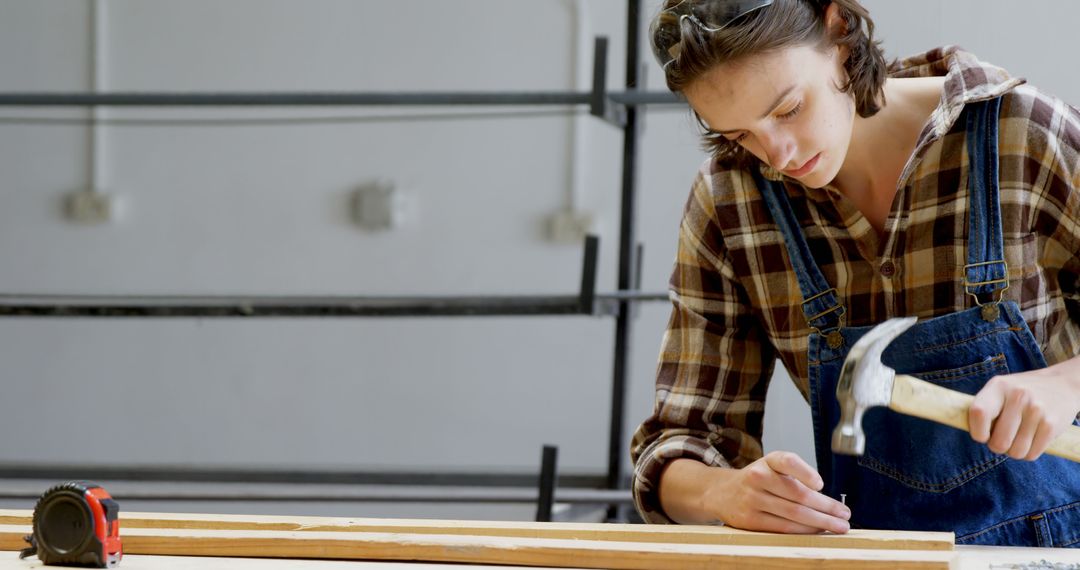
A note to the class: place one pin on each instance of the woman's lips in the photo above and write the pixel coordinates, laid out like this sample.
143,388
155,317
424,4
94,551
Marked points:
804,169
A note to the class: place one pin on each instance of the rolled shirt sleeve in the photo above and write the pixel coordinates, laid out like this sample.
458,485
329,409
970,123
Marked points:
714,366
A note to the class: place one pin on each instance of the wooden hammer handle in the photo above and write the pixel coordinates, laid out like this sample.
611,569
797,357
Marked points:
922,399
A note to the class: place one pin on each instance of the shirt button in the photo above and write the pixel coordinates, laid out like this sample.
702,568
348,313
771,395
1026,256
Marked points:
888,269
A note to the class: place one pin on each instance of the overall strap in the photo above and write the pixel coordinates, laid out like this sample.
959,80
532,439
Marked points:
821,304
986,273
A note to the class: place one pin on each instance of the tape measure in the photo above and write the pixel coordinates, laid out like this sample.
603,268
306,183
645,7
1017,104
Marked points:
76,524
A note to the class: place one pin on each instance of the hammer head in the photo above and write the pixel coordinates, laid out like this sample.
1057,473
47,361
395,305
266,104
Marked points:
865,382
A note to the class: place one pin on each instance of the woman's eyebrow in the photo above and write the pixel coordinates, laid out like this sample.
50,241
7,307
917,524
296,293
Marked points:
779,99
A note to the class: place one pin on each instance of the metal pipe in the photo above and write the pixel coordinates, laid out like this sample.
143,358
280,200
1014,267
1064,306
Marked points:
578,151
151,475
546,490
627,262
97,159
236,307
502,496
396,99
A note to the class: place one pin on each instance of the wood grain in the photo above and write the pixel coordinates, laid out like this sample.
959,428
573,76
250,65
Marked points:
683,534
506,550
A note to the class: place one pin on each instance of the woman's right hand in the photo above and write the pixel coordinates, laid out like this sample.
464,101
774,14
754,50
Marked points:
777,493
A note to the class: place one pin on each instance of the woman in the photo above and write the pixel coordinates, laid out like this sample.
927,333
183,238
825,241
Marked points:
839,193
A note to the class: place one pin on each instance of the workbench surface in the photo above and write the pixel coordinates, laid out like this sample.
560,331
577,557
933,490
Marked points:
10,561
231,541
967,558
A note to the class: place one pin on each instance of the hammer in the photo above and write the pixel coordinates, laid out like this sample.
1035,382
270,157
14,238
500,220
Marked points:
865,382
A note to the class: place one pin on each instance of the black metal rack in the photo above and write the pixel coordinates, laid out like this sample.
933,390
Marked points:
621,109
586,302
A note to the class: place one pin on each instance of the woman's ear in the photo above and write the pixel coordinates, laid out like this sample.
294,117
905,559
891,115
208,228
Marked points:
837,28
834,21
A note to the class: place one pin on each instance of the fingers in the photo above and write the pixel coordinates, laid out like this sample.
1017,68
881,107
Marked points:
789,488
986,406
796,502
1007,423
772,523
787,463
1021,414
790,491
1021,444
1045,434
803,515
1025,434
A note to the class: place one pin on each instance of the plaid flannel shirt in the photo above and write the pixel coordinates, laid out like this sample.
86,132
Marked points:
737,305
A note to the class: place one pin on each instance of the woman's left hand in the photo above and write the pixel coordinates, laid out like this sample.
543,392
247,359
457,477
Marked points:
1020,414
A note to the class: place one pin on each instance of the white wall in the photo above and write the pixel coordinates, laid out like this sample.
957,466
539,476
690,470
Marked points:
263,210
260,209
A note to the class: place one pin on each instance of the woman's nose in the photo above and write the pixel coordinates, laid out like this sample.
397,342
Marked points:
780,150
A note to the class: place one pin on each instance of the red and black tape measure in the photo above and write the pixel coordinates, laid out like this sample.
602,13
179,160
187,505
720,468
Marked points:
76,524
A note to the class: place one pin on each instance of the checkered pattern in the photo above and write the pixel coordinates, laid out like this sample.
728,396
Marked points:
737,305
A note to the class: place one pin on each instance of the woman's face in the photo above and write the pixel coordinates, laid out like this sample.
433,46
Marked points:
784,107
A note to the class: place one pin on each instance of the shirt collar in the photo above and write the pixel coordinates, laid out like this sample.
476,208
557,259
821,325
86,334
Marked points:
967,80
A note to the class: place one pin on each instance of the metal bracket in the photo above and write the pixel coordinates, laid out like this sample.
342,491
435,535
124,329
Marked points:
587,295
600,104
546,495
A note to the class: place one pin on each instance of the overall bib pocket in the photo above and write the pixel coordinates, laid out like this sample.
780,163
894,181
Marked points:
925,455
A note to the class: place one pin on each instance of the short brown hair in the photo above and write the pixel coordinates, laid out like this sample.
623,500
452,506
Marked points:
784,23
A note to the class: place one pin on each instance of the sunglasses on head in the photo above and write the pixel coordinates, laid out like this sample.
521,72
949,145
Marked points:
709,16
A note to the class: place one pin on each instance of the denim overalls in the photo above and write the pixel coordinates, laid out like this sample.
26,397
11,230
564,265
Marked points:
917,474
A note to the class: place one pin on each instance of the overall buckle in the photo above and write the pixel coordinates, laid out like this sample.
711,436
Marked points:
990,310
833,337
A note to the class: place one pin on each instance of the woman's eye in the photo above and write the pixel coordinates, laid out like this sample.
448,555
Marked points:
792,112
789,115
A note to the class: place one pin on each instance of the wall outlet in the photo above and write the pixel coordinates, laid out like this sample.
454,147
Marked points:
89,206
380,206
570,227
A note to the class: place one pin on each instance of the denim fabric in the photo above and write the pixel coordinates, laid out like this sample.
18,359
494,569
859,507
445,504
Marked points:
986,248
917,474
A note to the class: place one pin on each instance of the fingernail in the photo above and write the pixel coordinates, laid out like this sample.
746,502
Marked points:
842,528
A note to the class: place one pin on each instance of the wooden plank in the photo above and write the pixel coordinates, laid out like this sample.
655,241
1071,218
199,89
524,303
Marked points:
9,541
10,561
506,550
966,558
682,534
